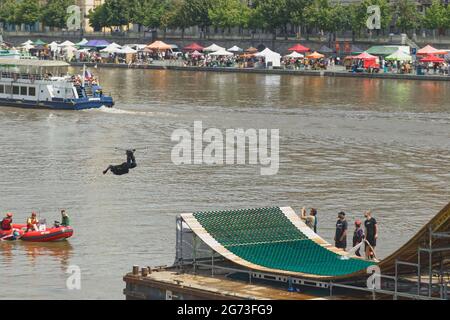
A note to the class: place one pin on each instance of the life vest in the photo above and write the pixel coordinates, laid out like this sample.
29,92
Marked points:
6,224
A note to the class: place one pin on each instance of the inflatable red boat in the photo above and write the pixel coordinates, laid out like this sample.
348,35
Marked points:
47,235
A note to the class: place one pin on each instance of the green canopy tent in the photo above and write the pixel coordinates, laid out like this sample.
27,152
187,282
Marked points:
399,55
39,42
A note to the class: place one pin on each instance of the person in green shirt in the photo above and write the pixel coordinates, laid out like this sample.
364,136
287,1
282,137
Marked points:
65,219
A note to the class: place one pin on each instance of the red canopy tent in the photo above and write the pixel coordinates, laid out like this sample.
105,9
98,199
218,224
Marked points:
299,48
432,58
368,59
193,47
429,50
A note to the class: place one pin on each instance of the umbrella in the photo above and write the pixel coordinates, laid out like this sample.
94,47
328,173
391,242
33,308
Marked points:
235,49
221,52
213,48
399,55
251,50
299,48
364,56
432,58
159,46
295,55
193,47
315,55
430,50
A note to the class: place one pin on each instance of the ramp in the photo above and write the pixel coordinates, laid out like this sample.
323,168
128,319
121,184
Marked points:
272,240
276,240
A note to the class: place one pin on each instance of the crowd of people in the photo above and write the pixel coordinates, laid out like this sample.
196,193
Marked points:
366,236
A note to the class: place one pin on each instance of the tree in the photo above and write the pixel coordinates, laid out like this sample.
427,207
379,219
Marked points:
297,12
272,15
54,13
357,16
408,16
197,13
228,14
8,11
28,12
179,18
435,17
118,12
99,17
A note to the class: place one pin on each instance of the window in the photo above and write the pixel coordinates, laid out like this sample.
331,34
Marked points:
23,91
16,90
32,91
2,88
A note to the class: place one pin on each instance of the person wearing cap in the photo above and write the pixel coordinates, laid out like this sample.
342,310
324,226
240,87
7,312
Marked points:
32,222
358,236
340,237
6,224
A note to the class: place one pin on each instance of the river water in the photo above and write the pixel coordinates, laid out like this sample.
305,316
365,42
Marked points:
345,144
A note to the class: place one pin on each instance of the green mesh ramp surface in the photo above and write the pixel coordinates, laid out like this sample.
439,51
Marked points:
266,237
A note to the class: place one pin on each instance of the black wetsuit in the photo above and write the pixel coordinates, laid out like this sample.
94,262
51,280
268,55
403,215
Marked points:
125,167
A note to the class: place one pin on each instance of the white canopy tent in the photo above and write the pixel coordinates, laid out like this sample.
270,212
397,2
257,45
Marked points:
213,48
295,55
82,42
27,47
112,48
235,49
53,46
28,42
66,43
221,53
270,56
127,50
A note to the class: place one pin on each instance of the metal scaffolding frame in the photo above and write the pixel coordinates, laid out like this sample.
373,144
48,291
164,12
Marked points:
390,285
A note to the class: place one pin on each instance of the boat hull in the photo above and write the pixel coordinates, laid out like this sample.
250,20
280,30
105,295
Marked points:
77,104
49,235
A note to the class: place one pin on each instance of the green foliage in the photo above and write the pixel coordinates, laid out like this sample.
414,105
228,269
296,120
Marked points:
8,10
229,13
271,14
28,12
54,13
436,16
408,16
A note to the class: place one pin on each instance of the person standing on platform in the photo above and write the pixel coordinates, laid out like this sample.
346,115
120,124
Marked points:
371,234
340,237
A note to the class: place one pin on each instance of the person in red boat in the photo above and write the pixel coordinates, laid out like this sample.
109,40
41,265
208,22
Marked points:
32,222
6,224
